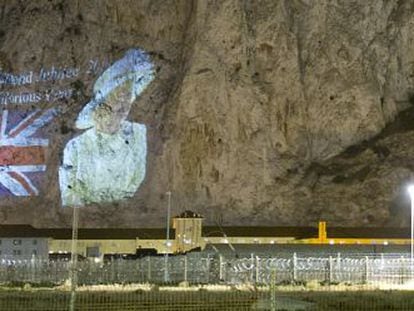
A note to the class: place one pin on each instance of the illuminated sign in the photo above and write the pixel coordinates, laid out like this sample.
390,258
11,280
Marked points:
107,162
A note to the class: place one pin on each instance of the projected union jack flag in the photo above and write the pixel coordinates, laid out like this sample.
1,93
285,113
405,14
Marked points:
23,151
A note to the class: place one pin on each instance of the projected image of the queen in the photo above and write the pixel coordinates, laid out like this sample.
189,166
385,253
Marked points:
107,162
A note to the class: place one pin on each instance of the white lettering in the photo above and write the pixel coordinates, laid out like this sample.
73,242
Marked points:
34,97
44,75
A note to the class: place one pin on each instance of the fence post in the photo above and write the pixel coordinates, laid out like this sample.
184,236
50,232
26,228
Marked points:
257,270
339,268
273,290
208,268
330,269
112,277
366,269
295,261
221,274
338,263
33,269
253,268
185,268
149,269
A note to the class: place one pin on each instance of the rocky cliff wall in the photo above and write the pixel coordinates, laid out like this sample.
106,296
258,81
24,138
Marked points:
261,112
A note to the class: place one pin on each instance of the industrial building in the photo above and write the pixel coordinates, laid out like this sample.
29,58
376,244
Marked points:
187,234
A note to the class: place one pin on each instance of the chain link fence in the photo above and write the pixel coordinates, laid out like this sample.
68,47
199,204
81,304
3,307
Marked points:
390,269
213,282
384,270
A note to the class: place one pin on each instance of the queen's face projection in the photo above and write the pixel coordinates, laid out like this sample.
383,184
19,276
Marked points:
107,162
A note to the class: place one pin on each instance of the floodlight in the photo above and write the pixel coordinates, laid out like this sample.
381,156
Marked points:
411,190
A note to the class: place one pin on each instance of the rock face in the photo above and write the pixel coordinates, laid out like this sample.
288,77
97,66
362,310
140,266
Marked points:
260,113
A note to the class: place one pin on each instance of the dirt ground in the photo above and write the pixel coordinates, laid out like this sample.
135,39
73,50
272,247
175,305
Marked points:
29,299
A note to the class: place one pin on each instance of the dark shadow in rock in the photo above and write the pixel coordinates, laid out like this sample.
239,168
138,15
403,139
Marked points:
403,122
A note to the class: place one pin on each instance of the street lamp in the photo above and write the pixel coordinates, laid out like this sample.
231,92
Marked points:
168,216
411,192
74,258
167,242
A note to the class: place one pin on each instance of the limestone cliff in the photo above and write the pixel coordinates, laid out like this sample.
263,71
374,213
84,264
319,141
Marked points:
261,112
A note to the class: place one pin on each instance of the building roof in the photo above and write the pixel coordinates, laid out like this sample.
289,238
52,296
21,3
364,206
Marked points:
308,232
247,231
23,231
27,231
368,233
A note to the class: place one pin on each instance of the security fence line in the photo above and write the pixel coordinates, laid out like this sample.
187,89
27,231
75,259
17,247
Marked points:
391,269
394,269
250,283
